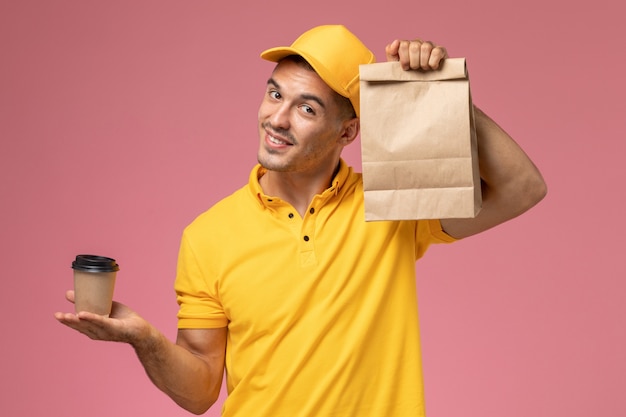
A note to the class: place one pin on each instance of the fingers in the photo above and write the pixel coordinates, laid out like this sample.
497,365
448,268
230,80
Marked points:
66,318
94,326
123,325
74,322
416,54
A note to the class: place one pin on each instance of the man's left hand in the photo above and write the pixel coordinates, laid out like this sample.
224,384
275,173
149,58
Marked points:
416,54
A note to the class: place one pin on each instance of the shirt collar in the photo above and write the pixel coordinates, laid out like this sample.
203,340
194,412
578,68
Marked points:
257,172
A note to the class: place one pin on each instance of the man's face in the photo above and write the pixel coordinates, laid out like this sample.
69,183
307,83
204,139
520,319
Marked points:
300,127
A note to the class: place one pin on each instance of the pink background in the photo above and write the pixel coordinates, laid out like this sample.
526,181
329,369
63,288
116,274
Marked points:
120,121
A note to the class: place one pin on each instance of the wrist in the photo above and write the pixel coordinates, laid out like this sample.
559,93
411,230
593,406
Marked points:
144,338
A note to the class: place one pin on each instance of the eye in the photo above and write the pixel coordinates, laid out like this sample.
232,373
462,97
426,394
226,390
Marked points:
274,94
307,109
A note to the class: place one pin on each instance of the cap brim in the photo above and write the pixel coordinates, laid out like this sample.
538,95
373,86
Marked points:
278,53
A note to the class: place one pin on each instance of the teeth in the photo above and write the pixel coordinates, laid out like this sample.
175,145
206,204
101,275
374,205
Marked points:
276,141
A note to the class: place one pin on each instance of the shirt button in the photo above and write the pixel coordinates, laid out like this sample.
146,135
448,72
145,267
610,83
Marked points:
312,210
306,238
291,215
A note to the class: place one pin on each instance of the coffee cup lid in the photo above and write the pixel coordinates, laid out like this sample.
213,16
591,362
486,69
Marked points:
95,263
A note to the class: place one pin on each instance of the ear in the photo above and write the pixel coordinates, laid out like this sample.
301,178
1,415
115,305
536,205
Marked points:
350,131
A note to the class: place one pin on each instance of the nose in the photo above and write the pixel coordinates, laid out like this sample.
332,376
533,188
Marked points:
279,116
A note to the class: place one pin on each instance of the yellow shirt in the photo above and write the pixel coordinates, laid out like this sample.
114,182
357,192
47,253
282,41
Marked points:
321,310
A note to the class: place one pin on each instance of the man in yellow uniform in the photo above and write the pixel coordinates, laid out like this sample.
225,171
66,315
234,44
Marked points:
311,310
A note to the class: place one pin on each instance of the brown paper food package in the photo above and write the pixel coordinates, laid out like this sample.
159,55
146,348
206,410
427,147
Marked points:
418,142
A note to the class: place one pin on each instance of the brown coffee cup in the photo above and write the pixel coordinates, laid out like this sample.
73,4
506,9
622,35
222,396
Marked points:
94,283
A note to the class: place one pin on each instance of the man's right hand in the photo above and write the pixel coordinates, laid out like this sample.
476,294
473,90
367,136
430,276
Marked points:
123,324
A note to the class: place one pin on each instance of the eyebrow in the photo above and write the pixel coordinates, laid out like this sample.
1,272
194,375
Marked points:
304,96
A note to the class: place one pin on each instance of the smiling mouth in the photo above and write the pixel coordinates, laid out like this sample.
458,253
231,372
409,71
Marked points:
277,141
279,137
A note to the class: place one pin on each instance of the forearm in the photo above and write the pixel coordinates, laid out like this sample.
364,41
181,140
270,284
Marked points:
179,373
511,183
511,180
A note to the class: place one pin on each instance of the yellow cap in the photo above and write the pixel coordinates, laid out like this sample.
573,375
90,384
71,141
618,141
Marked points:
334,53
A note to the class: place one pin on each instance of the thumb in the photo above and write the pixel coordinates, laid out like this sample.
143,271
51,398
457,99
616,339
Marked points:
69,295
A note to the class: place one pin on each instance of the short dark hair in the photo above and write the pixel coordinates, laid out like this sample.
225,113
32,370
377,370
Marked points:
345,106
